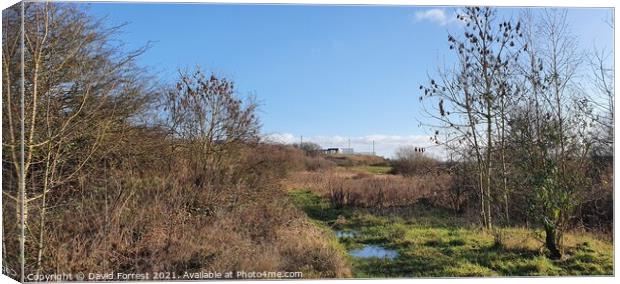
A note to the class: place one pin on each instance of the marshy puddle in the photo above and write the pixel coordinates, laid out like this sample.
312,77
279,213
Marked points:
367,251
345,234
374,251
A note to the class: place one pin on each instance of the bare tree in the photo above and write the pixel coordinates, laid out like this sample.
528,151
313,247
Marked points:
468,95
206,116
601,100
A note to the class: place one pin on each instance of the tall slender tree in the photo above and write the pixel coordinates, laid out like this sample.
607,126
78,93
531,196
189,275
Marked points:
468,95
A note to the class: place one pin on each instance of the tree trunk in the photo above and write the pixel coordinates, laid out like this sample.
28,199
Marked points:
551,242
489,168
482,196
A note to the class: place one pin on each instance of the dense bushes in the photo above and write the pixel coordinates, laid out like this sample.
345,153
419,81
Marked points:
161,221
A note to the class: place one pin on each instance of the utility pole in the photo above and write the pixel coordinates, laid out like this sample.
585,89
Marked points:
301,140
373,147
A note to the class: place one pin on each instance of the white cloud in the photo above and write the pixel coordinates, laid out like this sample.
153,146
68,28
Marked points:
438,16
385,145
284,138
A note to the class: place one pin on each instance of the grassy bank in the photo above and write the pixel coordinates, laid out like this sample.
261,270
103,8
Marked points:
432,242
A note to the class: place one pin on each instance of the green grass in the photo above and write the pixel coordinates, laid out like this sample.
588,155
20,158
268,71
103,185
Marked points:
432,243
380,170
318,209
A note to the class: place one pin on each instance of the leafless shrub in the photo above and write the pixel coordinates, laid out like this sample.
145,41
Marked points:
411,162
357,160
350,189
309,148
338,194
318,163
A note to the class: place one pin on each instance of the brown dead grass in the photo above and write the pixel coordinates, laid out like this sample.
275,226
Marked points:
370,190
157,220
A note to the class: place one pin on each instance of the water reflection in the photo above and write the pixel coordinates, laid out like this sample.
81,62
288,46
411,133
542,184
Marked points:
374,251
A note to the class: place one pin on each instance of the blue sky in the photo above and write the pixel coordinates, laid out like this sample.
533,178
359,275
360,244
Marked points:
329,73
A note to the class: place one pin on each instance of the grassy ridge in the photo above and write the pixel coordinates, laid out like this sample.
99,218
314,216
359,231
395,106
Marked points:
432,243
